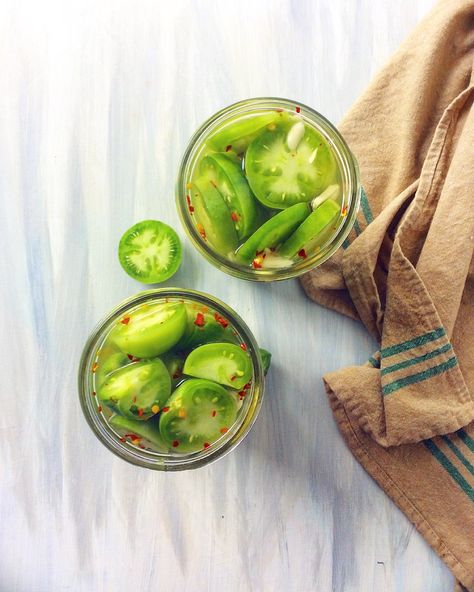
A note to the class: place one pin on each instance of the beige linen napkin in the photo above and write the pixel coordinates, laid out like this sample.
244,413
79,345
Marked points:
407,273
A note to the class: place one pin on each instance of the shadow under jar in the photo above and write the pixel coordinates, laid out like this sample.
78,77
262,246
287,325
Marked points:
171,379
267,189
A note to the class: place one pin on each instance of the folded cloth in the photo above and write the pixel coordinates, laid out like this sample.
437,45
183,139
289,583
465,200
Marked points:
407,273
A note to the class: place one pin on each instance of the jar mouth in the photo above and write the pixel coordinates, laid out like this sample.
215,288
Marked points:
169,461
349,175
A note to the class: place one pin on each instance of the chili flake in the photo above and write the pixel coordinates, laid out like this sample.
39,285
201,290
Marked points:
94,394
189,185
214,413
99,408
190,206
140,412
302,254
123,440
177,374
165,409
224,430
243,346
344,210
200,321
201,231
228,147
125,320
175,443
129,356
182,413
257,263
95,365
279,110
234,217
155,408
223,322
297,109
206,444
233,377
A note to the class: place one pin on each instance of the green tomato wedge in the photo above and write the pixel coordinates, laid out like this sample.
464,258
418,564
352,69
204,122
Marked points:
146,432
213,217
237,133
273,232
137,391
266,358
199,413
204,326
288,165
229,179
150,252
150,330
311,229
224,363
111,363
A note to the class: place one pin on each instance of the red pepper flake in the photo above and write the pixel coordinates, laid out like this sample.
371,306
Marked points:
200,321
206,445
131,436
95,365
302,254
123,440
224,430
204,309
243,346
223,322
190,206
201,231
140,412
213,184
189,185
297,109
228,147
94,394
257,263
247,386
125,320
233,377
344,210
175,443
242,395
214,413
136,359
279,110
177,374
234,217
165,409
141,446
99,408
129,356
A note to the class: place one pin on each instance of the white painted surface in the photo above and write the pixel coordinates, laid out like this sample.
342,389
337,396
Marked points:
97,102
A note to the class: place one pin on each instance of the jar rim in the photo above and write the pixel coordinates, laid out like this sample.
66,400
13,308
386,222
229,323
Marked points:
347,163
161,461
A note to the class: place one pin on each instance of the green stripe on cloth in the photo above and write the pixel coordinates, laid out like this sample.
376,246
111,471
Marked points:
364,204
373,362
466,438
419,376
450,468
459,454
346,244
412,361
357,229
415,342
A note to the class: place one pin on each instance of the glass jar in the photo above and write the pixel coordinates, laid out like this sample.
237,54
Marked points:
348,177
97,414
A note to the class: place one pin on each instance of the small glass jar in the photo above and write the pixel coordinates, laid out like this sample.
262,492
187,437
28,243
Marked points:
97,414
350,189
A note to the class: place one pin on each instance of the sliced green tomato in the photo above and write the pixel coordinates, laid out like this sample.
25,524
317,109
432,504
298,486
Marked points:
113,362
174,364
137,391
237,133
273,232
204,326
311,229
213,217
199,413
150,330
288,165
229,179
225,363
266,357
141,433
150,252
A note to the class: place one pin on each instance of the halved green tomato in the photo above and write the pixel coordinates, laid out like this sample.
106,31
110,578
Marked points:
273,232
225,363
288,165
204,326
229,179
313,228
213,217
141,433
150,251
198,413
266,357
237,133
150,330
111,363
137,391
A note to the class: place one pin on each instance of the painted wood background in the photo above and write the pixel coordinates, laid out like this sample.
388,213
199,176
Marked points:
97,102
